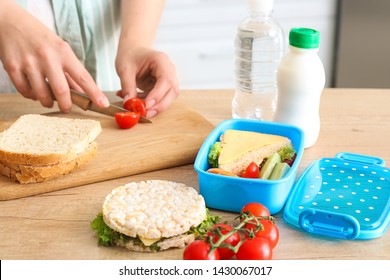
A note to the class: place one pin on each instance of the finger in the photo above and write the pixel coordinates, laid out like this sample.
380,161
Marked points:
127,77
60,89
140,94
119,93
87,85
22,85
162,105
156,102
39,88
72,84
20,82
163,89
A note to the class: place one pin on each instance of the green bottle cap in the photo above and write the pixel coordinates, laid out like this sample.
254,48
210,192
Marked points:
304,38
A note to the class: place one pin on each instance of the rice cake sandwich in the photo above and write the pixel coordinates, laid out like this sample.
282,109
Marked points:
37,148
151,216
238,148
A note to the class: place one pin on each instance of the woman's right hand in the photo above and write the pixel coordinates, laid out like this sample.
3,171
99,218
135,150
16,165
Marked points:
32,55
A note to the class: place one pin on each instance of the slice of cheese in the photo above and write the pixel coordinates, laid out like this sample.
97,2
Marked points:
236,143
148,242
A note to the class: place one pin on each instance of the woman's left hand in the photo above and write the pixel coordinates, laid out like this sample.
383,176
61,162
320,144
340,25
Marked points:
149,71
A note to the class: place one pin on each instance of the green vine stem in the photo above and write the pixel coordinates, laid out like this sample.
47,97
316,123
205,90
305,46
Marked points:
245,218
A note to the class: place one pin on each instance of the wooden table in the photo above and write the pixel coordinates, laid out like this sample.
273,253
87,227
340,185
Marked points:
56,225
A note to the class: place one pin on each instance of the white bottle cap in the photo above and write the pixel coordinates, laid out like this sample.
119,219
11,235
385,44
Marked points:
260,6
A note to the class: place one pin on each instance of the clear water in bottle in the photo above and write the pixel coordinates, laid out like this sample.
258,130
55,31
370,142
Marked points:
259,48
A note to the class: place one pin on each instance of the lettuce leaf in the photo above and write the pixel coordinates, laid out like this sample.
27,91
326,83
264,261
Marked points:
287,153
106,235
109,237
214,152
201,230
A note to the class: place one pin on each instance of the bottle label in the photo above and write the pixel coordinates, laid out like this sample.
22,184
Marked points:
257,62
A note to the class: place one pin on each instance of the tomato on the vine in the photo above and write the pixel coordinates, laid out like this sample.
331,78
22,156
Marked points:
252,171
136,105
256,248
256,209
270,231
224,252
200,250
127,119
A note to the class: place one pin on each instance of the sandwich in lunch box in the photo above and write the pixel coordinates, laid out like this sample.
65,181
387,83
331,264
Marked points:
237,149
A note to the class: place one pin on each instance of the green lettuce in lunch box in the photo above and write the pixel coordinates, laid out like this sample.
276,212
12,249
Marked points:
213,156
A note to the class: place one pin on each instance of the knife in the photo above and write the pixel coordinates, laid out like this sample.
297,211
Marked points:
83,101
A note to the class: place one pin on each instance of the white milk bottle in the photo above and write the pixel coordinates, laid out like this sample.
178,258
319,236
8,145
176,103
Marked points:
301,80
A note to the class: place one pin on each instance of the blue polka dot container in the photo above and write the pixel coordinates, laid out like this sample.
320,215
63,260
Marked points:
346,197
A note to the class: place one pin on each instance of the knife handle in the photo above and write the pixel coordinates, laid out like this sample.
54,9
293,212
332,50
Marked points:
81,100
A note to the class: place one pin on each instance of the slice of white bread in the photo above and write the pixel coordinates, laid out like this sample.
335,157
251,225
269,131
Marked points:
239,148
25,174
44,140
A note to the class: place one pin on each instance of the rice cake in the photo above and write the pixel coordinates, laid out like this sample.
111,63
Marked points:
153,209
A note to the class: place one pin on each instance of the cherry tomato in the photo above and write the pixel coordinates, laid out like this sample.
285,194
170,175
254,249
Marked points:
256,209
199,250
127,119
136,105
270,231
224,253
252,171
255,249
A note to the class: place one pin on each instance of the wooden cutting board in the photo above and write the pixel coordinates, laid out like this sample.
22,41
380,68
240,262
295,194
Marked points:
173,139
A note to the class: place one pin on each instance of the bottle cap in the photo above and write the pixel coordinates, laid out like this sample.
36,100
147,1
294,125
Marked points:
261,6
304,38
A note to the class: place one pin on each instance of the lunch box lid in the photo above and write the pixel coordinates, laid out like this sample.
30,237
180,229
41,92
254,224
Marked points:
346,197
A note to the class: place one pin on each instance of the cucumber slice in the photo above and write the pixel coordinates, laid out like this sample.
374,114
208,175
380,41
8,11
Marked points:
279,171
269,165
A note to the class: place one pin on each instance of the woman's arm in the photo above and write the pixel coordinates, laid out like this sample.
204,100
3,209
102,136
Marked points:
139,21
137,64
31,54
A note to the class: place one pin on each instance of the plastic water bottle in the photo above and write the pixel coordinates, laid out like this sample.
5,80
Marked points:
301,80
259,47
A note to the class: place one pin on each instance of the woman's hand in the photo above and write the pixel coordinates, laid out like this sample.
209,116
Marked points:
32,55
150,71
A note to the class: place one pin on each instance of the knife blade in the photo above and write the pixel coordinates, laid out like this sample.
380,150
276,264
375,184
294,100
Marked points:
83,101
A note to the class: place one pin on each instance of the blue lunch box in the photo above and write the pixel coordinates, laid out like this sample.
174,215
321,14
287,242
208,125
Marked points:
232,193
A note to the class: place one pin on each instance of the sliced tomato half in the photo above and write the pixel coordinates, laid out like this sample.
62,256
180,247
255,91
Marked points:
127,119
136,105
